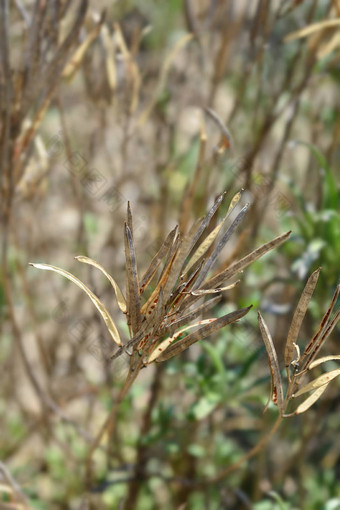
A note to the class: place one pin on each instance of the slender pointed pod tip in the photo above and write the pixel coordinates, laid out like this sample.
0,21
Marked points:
37,265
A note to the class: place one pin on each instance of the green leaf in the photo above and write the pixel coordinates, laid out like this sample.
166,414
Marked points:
202,408
196,450
330,192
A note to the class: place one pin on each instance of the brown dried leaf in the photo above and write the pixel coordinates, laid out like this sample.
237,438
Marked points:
203,247
314,344
203,332
132,286
321,340
329,46
185,319
319,381
168,341
238,266
157,259
311,400
240,243
234,201
317,362
144,330
208,241
183,290
163,279
299,315
219,247
77,58
200,292
129,219
118,292
310,29
179,259
95,300
206,221
157,318
277,391
148,327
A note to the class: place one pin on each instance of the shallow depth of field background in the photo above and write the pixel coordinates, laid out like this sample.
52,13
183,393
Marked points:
124,124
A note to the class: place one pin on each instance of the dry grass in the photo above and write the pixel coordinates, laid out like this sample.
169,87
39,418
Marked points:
164,108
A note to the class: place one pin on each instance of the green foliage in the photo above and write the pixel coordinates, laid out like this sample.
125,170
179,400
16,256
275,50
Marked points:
317,226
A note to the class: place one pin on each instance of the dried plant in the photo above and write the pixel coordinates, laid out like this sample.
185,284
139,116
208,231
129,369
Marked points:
298,366
158,327
139,82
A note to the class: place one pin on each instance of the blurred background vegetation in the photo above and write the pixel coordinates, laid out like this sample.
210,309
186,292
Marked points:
104,102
